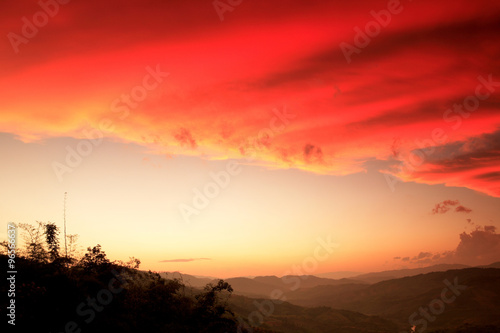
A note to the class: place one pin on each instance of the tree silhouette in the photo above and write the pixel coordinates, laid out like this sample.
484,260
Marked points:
94,260
54,294
51,237
34,241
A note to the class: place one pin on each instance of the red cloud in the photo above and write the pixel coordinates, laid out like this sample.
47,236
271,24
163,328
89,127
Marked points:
445,206
463,209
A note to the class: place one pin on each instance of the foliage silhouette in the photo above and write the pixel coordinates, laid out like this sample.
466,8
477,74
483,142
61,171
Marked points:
94,294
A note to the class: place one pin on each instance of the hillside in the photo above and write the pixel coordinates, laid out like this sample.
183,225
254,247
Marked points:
398,299
289,318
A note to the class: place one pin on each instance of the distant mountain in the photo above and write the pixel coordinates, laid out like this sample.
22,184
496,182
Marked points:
398,299
348,305
493,265
259,286
338,275
286,317
395,274
250,287
262,286
188,280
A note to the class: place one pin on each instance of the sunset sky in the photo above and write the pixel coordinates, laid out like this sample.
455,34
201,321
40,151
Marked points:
375,124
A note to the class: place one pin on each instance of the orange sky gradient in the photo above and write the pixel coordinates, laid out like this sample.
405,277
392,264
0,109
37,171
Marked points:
155,97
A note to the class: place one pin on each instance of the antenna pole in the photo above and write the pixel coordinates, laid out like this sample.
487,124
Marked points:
65,247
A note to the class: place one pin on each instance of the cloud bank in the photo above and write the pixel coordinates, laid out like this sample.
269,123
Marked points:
478,247
428,81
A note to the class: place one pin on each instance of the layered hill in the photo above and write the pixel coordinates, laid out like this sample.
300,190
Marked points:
475,295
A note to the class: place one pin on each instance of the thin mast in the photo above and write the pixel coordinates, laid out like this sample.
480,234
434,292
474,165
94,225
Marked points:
65,247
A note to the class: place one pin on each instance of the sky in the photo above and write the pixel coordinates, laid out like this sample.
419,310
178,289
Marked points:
238,138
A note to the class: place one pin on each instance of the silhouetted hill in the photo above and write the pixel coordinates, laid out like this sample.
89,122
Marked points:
399,273
398,299
338,275
96,295
493,265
